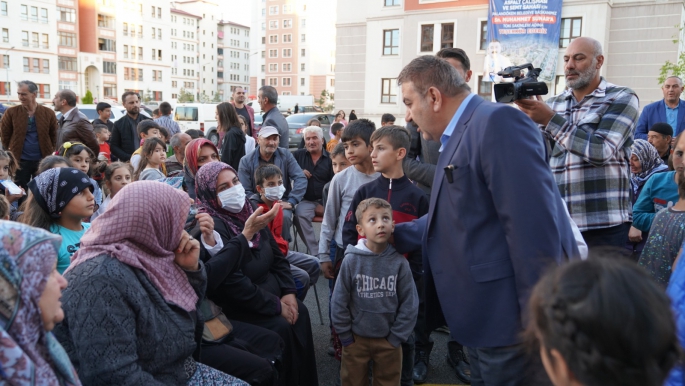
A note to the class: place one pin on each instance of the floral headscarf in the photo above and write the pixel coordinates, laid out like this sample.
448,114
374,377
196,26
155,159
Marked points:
193,151
208,202
54,188
649,159
29,354
143,234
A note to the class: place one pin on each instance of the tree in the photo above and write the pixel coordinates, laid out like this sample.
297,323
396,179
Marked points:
678,68
148,96
88,98
217,98
185,96
204,98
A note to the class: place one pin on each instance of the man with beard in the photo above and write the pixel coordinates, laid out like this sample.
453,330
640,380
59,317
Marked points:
246,111
670,110
125,140
294,180
590,129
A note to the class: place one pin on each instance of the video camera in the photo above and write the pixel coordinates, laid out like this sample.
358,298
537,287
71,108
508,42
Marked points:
522,87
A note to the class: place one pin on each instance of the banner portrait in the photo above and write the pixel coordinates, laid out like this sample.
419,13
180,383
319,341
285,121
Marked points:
523,31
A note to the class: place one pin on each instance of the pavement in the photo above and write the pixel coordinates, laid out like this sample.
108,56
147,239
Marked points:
440,373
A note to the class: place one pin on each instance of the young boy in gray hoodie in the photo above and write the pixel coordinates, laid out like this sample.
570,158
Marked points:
375,303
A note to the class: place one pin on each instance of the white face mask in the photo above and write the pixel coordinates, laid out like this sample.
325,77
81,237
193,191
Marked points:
233,199
274,193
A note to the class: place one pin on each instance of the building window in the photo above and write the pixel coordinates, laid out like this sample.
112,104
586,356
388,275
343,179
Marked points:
303,38
427,37
67,39
286,82
273,39
27,67
34,39
273,24
273,82
5,88
46,66
392,3
301,81
125,52
3,8
302,67
447,36
273,53
5,61
67,85
109,67
303,23
110,90
140,53
483,35
24,12
287,8
287,38
287,52
391,42
44,15
287,23
388,90
484,88
125,29
140,31
273,67
263,54
302,52
36,65
287,67
5,35
105,21
44,91
570,29
67,63
106,45
34,13
46,41
273,10
25,38
67,15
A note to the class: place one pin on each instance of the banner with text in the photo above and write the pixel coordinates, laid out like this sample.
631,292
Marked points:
523,31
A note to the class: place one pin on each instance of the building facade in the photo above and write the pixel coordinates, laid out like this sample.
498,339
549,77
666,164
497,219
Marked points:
185,41
294,46
234,69
375,40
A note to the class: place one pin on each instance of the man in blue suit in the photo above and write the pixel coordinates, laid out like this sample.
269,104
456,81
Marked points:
496,220
671,110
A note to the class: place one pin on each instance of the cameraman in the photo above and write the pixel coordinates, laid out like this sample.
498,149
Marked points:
590,129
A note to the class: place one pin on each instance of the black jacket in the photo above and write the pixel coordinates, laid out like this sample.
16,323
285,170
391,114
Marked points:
123,141
233,147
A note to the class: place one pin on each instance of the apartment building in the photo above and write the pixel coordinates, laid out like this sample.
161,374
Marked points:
234,69
294,49
376,39
207,49
28,48
185,41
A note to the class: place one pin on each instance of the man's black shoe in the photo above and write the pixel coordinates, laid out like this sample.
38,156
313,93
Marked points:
420,367
459,362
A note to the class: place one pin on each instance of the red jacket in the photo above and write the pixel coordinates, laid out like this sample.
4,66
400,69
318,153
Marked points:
276,227
250,111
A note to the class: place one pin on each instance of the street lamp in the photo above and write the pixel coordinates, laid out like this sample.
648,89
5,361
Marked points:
7,88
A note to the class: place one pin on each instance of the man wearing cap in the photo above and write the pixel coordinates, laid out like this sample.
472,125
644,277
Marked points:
294,180
660,135
670,110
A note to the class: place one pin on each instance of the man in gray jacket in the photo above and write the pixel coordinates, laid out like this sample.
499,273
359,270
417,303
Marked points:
294,180
268,99
73,125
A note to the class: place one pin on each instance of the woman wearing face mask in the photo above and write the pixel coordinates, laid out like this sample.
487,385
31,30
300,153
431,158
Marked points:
30,291
263,291
198,152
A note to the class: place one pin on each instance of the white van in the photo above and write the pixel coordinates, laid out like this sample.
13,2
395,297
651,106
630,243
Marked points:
199,116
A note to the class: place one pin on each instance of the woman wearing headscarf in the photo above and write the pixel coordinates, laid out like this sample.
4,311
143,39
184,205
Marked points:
263,291
198,152
131,313
30,289
644,163
353,116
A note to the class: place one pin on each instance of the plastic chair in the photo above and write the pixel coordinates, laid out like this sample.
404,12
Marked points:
295,235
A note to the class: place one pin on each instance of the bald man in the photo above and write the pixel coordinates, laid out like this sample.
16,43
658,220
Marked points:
670,110
590,129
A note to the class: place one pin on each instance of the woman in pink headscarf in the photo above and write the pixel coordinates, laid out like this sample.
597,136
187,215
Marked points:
135,285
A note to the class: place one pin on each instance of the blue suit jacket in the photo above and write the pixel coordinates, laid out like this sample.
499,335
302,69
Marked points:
655,113
491,233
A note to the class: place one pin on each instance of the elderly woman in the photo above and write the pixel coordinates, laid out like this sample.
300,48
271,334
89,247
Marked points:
644,163
30,289
136,285
198,152
262,292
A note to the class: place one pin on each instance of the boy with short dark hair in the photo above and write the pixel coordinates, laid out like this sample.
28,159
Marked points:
102,134
356,139
408,202
375,303
336,130
104,111
387,120
146,129
269,190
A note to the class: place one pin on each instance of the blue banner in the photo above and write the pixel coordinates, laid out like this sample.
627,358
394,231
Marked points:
523,31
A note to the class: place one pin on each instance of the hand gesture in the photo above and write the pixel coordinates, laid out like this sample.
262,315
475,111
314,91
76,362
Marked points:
327,269
206,223
287,313
257,221
634,235
307,173
14,197
291,301
187,253
536,109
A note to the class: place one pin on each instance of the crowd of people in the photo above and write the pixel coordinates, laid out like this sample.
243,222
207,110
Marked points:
134,253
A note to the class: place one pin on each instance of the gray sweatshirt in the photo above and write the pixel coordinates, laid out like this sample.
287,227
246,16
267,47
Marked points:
340,194
374,296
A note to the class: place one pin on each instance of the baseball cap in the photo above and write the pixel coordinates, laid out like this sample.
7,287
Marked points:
268,131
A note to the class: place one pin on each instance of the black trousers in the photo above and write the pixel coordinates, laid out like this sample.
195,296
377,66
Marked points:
506,366
249,353
27,169
612,237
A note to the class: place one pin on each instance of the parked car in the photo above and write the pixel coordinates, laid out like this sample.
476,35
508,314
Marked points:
297,122
310,109
258,120
199,116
